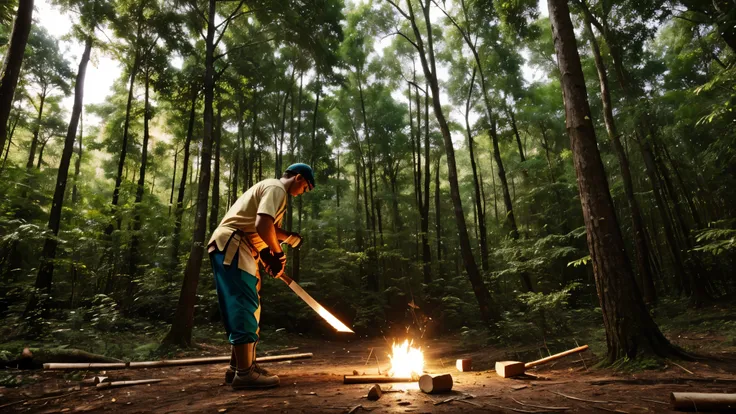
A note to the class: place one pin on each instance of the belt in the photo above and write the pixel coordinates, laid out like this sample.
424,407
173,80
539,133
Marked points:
233,246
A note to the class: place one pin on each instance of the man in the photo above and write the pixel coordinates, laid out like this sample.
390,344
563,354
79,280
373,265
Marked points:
250,232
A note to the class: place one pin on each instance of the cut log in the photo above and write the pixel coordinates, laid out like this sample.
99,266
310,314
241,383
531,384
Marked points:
699,401
464,365
374,392
116,384
433,384
32,358
171,362
373,379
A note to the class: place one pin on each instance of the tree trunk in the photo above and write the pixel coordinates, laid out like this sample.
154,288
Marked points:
426,251
124,151
644,268
438,212
476,187
510,219
48,255
216,137
516,134
135,237
173,179
12,63
179,208
630,330
181,328
36,132
78,163
485,303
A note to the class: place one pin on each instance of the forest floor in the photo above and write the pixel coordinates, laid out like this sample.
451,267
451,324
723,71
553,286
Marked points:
316,385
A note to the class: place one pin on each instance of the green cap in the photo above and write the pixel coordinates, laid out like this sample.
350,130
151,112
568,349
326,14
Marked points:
304,170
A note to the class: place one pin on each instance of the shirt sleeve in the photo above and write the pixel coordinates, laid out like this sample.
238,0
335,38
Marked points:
271,200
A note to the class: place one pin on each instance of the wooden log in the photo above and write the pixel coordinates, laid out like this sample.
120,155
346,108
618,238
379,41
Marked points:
464,365
374,392
87,382
373,379
508,369
116,384
171,362
699,401
433,384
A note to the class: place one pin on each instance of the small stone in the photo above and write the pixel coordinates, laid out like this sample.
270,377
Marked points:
374,392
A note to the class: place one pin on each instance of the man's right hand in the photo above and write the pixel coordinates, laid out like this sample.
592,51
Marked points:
274,262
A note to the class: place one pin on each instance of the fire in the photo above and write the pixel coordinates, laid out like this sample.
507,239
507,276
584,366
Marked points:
406,360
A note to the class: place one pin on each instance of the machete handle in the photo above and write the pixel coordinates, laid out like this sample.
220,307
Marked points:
286,279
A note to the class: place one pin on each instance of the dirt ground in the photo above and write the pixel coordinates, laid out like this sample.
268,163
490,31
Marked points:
316,386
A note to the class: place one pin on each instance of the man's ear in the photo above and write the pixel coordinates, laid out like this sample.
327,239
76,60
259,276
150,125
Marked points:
298,178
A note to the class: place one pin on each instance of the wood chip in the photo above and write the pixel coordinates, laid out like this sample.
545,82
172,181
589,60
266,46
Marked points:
519,387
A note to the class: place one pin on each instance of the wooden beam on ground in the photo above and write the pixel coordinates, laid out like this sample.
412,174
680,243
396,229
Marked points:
169,363
699,401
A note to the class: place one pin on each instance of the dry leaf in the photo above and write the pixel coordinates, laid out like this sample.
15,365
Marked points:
222,410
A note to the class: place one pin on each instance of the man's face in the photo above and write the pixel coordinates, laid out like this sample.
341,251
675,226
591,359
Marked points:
300,186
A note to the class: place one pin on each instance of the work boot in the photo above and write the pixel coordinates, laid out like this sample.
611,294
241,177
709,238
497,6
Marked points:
251,379
230,373
253,376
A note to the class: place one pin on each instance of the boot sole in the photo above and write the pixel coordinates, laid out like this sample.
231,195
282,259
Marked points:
246,387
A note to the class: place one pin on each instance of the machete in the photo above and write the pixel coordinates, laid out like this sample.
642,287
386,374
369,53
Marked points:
321,311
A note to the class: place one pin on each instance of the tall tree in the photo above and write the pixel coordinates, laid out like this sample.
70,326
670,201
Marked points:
12,63
488,311
630,329
91,14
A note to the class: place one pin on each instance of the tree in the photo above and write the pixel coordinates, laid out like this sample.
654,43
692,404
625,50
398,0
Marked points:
427,58
12,63
630,330
47,70
91,14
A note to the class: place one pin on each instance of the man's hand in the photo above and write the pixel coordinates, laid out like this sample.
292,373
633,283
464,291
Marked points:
294,240
275,263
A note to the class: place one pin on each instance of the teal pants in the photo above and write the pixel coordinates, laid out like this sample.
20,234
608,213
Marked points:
238,298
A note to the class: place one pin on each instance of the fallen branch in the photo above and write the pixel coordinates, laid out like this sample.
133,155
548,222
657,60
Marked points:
683,368
463,400
578,399
169,363
294,348
540,406
518,410
39,399
654,401
117,384
354,409
36,357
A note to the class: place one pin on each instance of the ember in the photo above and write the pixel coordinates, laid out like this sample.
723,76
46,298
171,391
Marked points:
406,360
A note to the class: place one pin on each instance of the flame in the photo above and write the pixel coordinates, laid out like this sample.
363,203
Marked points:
406,360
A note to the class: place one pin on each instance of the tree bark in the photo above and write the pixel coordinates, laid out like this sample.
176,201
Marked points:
78,163
12,63
643,266
630,330
46,268
181,328
216,137
426,251
179,208
36,131
126,127
135,237
476,187
173,179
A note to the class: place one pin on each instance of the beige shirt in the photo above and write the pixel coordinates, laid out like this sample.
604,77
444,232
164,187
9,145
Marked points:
265,197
